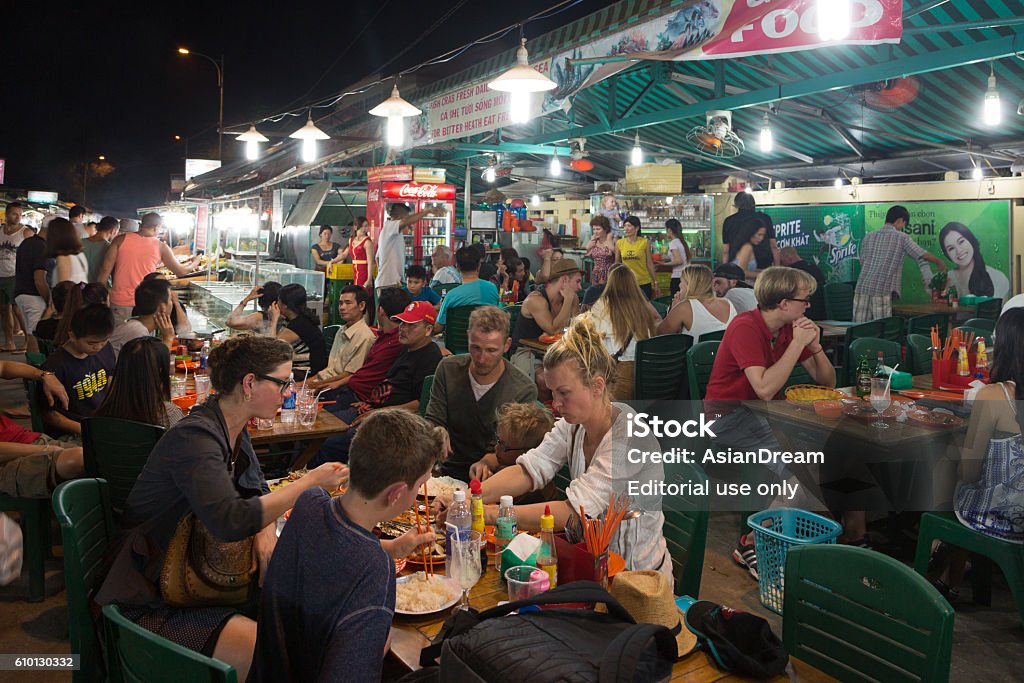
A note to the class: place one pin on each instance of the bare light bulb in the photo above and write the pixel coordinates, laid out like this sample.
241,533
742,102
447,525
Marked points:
978,173
767,138
519,106
396,131
309,150
555,168
489,174
837,183
993,110
535,200
637,155
252,150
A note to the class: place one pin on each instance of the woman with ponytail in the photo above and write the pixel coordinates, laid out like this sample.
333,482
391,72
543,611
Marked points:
591,437
302,330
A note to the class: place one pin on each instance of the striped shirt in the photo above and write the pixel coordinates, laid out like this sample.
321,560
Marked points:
881,261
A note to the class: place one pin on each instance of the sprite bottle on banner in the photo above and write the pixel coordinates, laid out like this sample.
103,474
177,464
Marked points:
839,249
826,235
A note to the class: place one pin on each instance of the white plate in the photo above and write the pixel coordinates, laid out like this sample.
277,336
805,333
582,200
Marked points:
456,592
434,483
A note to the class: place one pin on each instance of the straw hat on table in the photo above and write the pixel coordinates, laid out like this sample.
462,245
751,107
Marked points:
647,595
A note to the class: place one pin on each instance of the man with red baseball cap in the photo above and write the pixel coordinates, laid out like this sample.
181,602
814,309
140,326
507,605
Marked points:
401,386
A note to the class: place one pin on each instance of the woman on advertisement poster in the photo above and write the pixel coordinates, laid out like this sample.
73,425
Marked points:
971,275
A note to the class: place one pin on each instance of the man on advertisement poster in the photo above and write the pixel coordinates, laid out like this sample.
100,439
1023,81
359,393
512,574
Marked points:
881,262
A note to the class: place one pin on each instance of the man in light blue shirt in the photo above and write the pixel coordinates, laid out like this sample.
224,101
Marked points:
472,292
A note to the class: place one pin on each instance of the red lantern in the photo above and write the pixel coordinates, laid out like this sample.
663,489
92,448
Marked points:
581,165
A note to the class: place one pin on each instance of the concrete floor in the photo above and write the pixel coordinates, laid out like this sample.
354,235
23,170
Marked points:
988,642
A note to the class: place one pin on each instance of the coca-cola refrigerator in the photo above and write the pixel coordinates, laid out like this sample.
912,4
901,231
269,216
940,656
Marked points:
429,231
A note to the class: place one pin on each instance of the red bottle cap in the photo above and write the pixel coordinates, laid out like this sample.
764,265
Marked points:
547,510
474,487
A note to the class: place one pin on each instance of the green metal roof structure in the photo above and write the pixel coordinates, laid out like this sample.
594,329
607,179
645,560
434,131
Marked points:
825,113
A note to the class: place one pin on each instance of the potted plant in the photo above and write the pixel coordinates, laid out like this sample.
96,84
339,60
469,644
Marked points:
937,285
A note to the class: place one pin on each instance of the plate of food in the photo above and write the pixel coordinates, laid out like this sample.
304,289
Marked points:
549,338
418,594
937,419
804,395
435,558
445,486
864,411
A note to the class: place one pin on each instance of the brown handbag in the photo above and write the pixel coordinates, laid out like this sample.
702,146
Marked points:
200,570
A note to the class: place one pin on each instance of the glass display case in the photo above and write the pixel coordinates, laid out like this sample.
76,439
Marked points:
696,214
214,301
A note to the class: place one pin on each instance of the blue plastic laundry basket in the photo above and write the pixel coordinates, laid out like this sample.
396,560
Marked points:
777,529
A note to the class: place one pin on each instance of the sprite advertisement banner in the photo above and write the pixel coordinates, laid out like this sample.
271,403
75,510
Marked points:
971,237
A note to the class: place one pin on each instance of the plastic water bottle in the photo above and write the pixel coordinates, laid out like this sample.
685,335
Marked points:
288,405
459,515
204,355
506,528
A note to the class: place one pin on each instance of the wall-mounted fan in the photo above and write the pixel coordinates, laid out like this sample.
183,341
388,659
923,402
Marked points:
579,155
716,137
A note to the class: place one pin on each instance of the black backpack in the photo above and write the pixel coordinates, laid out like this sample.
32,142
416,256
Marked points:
557,644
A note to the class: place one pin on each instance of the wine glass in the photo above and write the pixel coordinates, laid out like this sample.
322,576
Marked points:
465,564
880,399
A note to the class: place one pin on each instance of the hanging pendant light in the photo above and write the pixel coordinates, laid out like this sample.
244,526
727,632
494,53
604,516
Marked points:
309,134
835,18
395,109
993,110
978,173
520,81
636,157
252,139
767,138
838,182
555,167
535,200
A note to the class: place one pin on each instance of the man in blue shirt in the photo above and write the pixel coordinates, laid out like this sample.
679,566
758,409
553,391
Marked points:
472,292
329,596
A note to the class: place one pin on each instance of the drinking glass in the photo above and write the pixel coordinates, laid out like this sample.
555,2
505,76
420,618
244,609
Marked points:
202,387
264,423
307,410
880,399
179,386
465,564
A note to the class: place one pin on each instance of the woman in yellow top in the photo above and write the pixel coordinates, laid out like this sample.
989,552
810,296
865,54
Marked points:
634,252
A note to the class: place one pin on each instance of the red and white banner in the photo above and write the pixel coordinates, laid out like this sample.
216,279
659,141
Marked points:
718,29
378,174
417,191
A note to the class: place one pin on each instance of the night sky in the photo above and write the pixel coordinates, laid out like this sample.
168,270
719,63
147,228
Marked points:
99,77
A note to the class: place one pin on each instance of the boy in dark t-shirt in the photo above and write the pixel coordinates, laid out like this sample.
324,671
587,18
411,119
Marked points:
329,596
84,366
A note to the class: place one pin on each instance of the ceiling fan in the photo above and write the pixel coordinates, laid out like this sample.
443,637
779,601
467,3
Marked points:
716,137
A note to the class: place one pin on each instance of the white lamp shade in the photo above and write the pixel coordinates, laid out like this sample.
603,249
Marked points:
522,77
252,135
310,132
395,106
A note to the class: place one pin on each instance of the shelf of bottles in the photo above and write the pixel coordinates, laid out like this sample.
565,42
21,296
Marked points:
695,213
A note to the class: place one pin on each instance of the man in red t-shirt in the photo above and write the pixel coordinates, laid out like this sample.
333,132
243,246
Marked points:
32,464
754,361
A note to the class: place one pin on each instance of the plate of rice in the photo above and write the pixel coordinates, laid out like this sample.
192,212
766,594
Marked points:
445,486
417,594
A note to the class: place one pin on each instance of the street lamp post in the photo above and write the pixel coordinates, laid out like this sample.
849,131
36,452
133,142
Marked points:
219,65
85,180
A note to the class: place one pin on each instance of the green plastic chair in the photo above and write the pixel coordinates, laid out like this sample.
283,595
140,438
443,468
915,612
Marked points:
664,300
892,328
35,414
660,367
46,346
456,326
136,655
873,330
34,358
798,376
977,332
428,382
712,336
982,323
923,324
34,517
919,355
117,450
83,511
686,531
661,308
989,309
1009,557
891,351
839,301
699,361
330,332
859,615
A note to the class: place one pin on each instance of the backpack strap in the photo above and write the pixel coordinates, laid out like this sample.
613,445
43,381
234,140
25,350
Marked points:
621,656
577,591
618,354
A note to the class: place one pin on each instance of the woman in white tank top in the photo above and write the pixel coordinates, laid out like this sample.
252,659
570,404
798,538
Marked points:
64,246
696,310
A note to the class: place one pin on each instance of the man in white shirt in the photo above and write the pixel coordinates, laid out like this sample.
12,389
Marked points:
728,282
391,245
444,272
77,217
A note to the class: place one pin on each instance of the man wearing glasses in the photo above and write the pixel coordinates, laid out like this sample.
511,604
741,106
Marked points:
468,390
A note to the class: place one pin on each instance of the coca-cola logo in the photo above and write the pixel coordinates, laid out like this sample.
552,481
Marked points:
419,191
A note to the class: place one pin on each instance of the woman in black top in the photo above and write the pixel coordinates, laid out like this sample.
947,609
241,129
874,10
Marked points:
206,465
302,330
325,251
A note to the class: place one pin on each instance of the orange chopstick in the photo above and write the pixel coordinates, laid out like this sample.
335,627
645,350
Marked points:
428,557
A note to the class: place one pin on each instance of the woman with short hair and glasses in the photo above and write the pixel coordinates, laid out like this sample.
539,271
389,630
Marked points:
205,465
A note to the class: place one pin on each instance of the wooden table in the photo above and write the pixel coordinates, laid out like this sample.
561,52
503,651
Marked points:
409,635
537,347
313,437
910,310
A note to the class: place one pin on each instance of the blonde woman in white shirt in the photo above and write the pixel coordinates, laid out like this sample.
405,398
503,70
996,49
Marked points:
695,309
591,438
624,316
